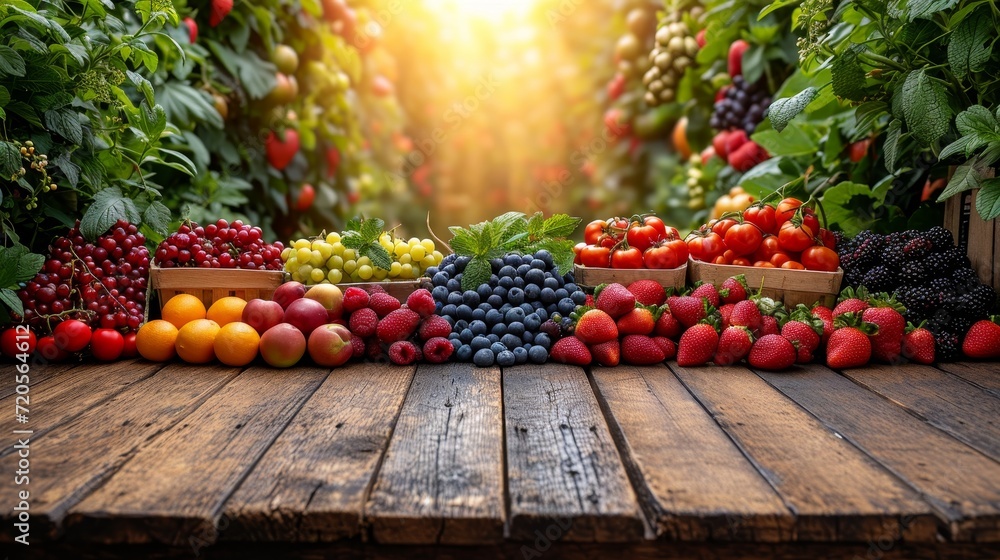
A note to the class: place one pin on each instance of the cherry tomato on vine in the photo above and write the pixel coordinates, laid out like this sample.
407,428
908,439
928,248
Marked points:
642,236
827,238
595,256
107,345
48,349
785,210
743,239
822,258
741,261
593,231
666,254
13,343
762,216
630,257
722,226
794,238
129,350
72,335
577,249
768,247
705,246
810,219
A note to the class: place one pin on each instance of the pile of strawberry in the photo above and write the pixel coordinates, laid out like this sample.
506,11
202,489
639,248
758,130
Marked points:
642,241
405,333
787,235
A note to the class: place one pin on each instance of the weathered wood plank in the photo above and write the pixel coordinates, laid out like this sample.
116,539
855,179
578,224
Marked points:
837,492
985,375
38,373
692,480
953,405
312,483
959,481
67,464
172,491
63,398
441,480
563,471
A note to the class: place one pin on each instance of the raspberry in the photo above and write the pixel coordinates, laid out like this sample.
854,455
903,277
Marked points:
363,322
383,303
398,325
433,327
437,350
358,347
422,302
354,299
373,350
404,353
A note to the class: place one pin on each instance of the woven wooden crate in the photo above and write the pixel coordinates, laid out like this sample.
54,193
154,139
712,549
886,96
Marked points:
979,239
211,284
789,286
591,277
399,289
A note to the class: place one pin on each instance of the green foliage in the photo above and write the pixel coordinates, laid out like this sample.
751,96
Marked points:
362,235
17,265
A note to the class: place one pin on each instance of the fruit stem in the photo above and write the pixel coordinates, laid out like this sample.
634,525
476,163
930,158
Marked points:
434,235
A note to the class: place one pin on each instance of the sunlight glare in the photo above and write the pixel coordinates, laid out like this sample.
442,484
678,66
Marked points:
485,9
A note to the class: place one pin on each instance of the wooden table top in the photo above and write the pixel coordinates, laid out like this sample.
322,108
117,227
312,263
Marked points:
377,460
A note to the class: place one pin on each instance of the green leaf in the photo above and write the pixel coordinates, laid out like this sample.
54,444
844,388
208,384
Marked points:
893,138
795,141
849,205
776,5
10,160
28,266
157,217
536,224
463,244
925,8
9,298
848,77
867,115
66,123
11,63
560,225
477,272
143,85
9,260
925,107
967,50
379,256
782,111
187,106
108,207
967,176
562,252
753,63
371,229
978,121
988,199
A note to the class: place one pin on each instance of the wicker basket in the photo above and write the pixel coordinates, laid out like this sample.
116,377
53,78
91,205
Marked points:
590,277
211,284
790,286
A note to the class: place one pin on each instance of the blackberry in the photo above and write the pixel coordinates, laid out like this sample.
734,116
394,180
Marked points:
964,275
940,238
936,265
979,301
742,107
941,286
948,347
867,253
920,299
917,249
879,279
892,257
957,258
913,273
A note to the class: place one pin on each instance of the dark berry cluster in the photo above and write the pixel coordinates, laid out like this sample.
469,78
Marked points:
930,275
219,245
742,107
513,318
102,283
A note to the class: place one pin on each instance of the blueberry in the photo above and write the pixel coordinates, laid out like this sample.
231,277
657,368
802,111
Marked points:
478,314
515,314
511,341
455,298
461,324
500,291
543,340
532,292
526,259
538,355
483,358
512,259
449,310
566,306
538,263
430,272
578,297
548,296
464,353
495,264
493,317
551,283
493,283
519,282
455,343
470,298
438,306
449,318
495,301
527,308
516,328
440,279
543,315
505,308
506,358
545,257
477,328
520,355
493,338
552,309
454,336
560,280
535,277
467,335
449,270
455,285
569,278
506,282
440,293
515,296
461,263
528,337
523,269
465,312
536,305
507,271
498,347
499,329
479,342
561,293
485,308
532,321
571,287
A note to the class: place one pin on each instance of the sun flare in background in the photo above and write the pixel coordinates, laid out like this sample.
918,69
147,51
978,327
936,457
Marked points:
484,9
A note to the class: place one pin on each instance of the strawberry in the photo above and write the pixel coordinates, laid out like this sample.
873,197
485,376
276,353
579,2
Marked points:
983,340
281,152
667,325
734,289
404,353
607,353
354,299
687,309
570,350
885,312
397,325
595,327
725,312
363,323
437,350
220,9
668,346
825,314
772,352
849,345
422,302
707,291
851,301
746,314
434,326
918,345
383,303
697,345
768,325
734,345
589,302
747,156
614,299
638,321
648,292
803,330
640,350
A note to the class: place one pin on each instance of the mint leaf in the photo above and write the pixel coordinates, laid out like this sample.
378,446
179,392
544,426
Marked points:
988,199
562,253
536,224
967,50
967,176
848,77
9,261
560,225
782,111
849,206
463,243
371,229
379,256
476,273
108,207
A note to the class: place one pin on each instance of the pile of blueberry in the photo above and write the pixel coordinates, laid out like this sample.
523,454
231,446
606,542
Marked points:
515,317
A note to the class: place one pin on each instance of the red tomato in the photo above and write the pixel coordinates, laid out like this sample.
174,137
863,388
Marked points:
47,349
743,239
827,238
107,345
669,254
779,258
607,241
720,260
594,231
822,258
626,258
705,246
306,196
17,340
810,219
768,247
858,150
792,265
619,228
72,336
595,256
741,261
729,255
763,264
642,236
129,350
722,226
786,209
762,216
794,238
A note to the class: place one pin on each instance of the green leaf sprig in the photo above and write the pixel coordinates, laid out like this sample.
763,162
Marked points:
362,236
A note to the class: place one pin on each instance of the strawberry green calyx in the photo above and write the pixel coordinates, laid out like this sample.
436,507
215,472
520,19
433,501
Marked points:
910,327
884,299
599,289
854,320
712,319
850,293
803,314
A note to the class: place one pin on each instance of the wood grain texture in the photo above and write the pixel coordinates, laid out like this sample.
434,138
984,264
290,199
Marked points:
172,491
981,250
70,462
312,483
63,398
837,492
441,480
38,373
564,473
692,480
953,405
790,286
985,375
960,482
